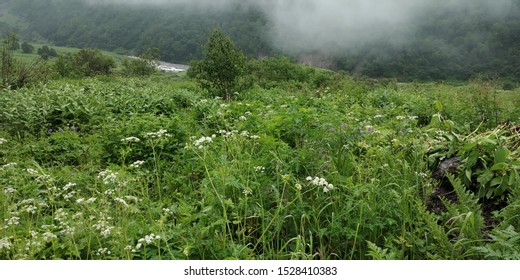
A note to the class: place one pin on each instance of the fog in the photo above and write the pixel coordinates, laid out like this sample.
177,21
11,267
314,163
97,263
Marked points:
329,25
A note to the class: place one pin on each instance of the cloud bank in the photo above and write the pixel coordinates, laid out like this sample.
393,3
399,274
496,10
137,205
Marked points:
328,25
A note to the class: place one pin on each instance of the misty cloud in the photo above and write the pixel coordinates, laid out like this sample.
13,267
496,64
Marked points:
329,25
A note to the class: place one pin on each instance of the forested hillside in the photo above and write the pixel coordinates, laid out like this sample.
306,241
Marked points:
454,43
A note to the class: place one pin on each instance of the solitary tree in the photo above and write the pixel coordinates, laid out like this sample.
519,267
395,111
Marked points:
221,67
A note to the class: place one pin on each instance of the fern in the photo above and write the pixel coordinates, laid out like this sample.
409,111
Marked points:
466,216
438,243
505,245
510,214
377,253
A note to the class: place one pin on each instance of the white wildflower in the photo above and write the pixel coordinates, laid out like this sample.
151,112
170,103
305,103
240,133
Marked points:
9,190
259,169
247,192
8,165
80,200
167,211
254,137
131,139
48,236
103,251
2,141
242,118
137,164
317,181
106,231
122,201
109,192
68,186
159,134
5,243
328,188
31,209
69,195
13,221
298,186
199,143
108,176
90,200
32,171
133,198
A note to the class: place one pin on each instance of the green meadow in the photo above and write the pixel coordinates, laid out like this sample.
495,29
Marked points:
157,168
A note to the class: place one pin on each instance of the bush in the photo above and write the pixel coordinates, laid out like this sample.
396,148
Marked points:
87,62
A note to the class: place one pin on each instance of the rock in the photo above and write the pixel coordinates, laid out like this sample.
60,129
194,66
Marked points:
447,166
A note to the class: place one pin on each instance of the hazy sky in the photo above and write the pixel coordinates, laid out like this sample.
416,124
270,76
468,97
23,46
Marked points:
331,24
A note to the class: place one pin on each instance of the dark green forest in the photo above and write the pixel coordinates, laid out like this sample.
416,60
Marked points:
455,44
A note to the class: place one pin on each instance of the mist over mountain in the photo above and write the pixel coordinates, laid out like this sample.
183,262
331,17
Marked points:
412,39
335,25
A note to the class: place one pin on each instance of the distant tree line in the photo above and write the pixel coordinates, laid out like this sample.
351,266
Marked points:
444,45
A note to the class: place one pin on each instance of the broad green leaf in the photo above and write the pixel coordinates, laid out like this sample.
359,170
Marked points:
489,193
496,181
485,177
471,159
501,155
500,167
468,174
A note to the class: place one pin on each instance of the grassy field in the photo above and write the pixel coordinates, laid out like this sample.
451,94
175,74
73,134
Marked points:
33,57
156,168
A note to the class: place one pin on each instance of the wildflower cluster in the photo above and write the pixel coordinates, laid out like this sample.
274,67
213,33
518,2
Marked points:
259,169
199,143
137,164
9,190
83,201
5,243
234,133
407,117
247,191
8,165
108,176
2,141
131,139
148,239
317,181
159,134
104,227
103,251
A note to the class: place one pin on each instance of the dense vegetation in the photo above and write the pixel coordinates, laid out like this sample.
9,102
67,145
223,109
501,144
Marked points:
445,44
312,165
